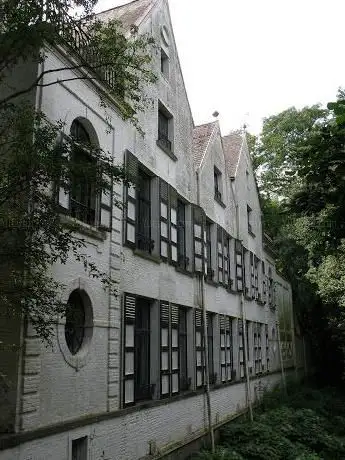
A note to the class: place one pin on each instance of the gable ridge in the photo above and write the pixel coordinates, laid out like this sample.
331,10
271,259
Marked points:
132,13
202,135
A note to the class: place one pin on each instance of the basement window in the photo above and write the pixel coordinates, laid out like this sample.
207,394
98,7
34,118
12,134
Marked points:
79,448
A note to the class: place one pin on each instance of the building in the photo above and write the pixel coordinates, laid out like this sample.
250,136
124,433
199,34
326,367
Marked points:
189,241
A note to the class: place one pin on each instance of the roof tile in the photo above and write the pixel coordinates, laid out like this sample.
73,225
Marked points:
201,137
128,14
232,144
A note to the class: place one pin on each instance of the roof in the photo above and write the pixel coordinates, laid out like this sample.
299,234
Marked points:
129,14
232,144
201,137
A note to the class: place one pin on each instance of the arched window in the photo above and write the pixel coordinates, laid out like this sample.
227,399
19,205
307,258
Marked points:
83,184
75,322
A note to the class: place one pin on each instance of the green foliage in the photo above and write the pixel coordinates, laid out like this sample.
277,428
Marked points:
309,425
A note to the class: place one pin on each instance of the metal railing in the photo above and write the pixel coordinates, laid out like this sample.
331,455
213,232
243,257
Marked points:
72,34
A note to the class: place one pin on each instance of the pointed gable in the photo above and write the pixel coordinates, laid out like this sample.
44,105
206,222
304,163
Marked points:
129,14
201,138
232,144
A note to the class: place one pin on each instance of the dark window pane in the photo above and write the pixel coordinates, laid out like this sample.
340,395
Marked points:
142,350
144,213
181,235
75,322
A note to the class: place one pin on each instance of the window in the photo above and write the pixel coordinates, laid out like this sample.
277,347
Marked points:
75,322
267,349
164,64
257,348
256,277
217,184
138,207
137,384
239,265
249,220
165,129
182,259
226,358
264,286
270,289
208,251
198,219
174,373
241,348
79,448
170,374
172,227
252,275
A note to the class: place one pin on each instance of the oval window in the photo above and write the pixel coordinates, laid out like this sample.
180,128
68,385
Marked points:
75,322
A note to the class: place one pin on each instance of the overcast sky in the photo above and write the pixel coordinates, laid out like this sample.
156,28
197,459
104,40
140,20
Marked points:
249,59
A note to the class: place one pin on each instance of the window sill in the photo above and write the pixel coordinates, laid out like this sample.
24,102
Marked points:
167,151
183,271
220,202
84,229
147,256
212,283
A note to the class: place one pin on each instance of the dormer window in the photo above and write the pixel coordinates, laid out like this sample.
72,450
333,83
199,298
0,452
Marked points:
217,184
164,64
250,220
165,130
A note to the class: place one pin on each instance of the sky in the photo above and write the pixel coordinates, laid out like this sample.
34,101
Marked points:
249,59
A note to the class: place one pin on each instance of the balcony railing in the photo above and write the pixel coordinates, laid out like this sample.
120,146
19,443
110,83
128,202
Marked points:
72,34
82,212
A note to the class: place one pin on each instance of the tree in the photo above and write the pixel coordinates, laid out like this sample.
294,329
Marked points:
33,235
277,149
304,212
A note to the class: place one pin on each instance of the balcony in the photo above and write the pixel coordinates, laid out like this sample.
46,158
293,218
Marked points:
72,35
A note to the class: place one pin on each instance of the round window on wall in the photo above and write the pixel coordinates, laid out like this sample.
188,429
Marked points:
75,322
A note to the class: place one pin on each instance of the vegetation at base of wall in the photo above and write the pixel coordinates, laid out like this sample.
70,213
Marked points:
305,424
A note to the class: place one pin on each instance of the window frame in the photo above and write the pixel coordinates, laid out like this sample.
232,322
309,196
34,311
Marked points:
226,348
218,189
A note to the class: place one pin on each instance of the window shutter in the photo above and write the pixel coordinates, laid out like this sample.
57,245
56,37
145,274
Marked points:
130,307
241,347
131,199
198,232
199,348
165,349
239,265
264,286
106,204
173,226
175,358
220,254
164,219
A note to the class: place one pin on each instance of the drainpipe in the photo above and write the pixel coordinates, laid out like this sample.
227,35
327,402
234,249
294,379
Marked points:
204,319
245,349
207,373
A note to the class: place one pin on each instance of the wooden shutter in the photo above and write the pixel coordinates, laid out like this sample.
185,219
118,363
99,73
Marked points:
220,260
199,348
252,276
226,255
129,349
239,265
106,204
175,358
131,200
164,219
226,358
173,226
241,348
165,349
198,234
